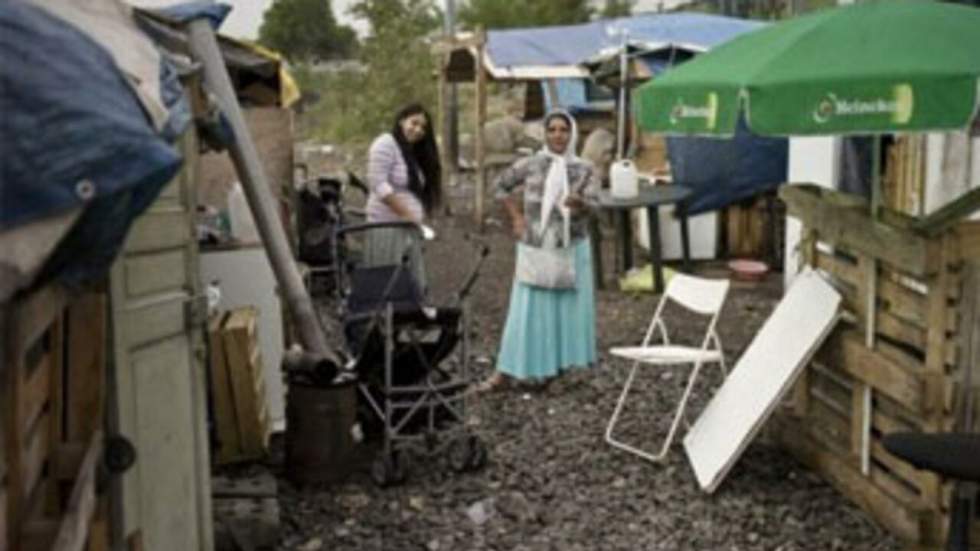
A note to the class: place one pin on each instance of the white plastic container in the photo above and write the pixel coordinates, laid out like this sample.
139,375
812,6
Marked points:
243,227
624,183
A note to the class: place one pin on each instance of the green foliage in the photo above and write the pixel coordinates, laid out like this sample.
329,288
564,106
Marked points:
617,8
398,69
502,14
306,30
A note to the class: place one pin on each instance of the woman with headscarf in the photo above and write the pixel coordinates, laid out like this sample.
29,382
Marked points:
404,182
549,330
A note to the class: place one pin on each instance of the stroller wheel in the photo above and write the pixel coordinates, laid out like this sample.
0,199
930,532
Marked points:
467,453
388,470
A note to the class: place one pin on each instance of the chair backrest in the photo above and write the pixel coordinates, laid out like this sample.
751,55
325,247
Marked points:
704,296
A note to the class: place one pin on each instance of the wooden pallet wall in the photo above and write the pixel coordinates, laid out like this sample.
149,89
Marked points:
908,375
52,445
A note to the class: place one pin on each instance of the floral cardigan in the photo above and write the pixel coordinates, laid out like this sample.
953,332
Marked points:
531,172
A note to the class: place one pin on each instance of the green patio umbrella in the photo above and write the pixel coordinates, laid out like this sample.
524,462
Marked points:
867,68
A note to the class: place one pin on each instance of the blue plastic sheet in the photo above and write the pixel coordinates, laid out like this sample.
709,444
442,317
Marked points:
188,11
723,171
574,44
74,134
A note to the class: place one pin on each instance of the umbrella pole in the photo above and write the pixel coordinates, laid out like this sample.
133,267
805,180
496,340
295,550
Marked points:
871,286
621,126
872,273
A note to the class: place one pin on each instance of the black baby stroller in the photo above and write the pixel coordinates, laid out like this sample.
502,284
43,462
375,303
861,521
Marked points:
321,210
411,358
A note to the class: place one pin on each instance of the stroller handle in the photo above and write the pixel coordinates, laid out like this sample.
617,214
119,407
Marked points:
464,290
367,226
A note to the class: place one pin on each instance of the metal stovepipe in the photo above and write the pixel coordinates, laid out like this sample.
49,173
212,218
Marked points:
255,183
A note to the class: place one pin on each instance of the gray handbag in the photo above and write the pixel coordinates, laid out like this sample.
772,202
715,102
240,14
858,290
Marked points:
549,268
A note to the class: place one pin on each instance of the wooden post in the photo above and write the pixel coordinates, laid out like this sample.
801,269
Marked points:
861,393
801,392
444,120
968,365
481,115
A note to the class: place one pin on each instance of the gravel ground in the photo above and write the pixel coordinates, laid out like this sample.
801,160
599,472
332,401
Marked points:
551,482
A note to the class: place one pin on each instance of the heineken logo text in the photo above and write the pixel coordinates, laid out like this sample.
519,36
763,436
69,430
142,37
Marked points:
707,111
898,107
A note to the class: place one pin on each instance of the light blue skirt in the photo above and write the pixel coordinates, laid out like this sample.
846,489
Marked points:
550,330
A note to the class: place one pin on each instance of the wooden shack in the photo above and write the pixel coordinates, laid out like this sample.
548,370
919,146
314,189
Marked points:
899,363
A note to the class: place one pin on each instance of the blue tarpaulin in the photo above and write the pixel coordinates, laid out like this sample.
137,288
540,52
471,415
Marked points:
521,53
74,134
188,11
723,171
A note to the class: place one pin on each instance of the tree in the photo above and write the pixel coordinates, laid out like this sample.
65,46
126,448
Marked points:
502,14
306,30
617,8
400,67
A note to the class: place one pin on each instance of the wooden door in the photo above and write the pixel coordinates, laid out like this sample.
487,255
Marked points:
158,376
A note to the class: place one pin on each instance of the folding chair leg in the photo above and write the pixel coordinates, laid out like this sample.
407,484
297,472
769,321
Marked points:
678,415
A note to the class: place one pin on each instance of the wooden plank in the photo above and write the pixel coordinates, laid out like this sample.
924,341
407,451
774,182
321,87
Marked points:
936,313
480,115
836,395
98,535
901,519
32,316
38,535
35,392
834,423
4,535
950,214
236,346
843,221
896,488
74,526
56,403
900,330
969,239
967,370
85,366
224,406
885,422
846,350
903,303
839,267
36,451
922,481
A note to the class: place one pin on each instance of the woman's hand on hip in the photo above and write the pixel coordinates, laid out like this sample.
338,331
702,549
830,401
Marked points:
574,202
519,227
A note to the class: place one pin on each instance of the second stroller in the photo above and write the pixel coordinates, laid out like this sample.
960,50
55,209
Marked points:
411,357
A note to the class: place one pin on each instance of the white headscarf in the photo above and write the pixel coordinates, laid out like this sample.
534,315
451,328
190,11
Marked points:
556,182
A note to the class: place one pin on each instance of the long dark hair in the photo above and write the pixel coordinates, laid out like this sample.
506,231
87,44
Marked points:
422,156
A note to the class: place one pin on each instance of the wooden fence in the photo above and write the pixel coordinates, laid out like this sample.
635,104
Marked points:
898,365
50,408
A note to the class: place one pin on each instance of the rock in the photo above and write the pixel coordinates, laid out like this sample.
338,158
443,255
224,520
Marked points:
314,544
481,511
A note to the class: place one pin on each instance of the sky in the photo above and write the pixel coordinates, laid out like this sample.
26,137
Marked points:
246,15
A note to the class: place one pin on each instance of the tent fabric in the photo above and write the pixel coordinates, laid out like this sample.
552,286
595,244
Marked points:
557,51
215,12
724,171
74,134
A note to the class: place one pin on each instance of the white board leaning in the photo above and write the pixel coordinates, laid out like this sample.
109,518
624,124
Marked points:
765,372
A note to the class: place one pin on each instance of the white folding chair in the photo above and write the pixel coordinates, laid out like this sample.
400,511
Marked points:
702,296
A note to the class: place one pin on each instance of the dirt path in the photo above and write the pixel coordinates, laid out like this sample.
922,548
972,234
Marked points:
551,482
